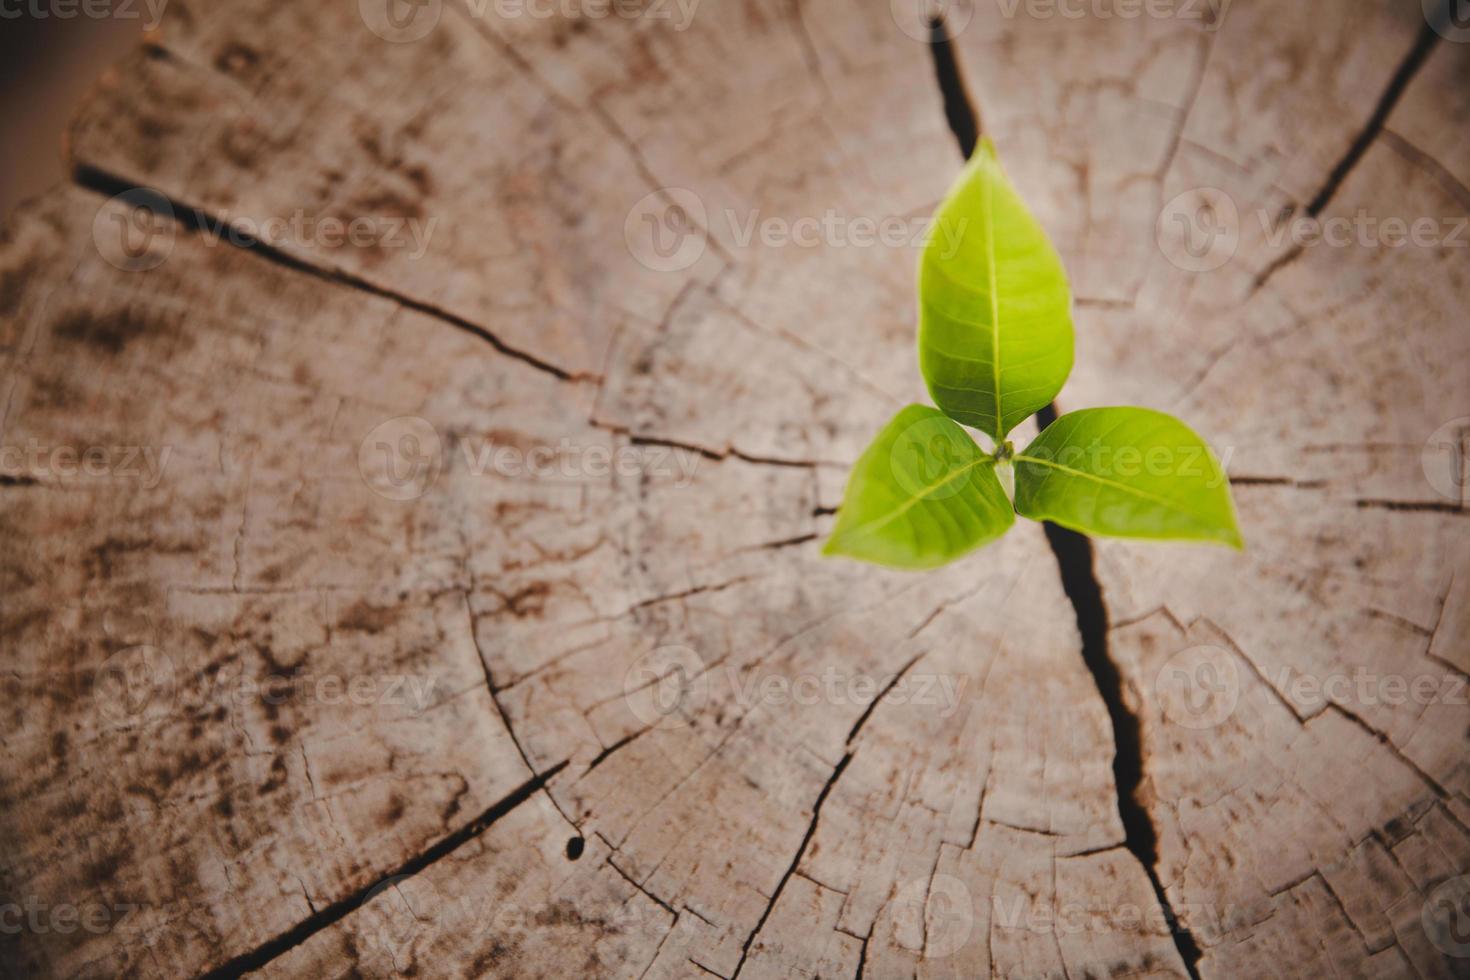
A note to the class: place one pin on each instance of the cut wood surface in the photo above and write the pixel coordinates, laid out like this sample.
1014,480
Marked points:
447,601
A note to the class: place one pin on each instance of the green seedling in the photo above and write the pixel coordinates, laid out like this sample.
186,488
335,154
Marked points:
995,347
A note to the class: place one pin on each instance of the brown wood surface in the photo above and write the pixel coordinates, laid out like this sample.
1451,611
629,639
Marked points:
268,709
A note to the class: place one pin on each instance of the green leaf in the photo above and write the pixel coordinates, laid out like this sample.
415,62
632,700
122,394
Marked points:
923,494
995,311
1126,473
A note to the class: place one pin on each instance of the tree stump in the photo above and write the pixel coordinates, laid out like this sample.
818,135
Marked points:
447,602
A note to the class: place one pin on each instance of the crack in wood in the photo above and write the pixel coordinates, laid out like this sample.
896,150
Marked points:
718,455
1428,164
1079,580
1413,506
607,752
505,718
263,954
811,831
857,726
642,890
863,955
959,108
1074,556
201,222
1408,68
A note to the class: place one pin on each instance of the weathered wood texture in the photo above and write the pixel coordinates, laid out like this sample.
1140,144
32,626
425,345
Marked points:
267,708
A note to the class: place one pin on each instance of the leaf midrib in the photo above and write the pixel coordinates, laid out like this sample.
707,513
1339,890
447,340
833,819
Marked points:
994,300
917,499
1125,488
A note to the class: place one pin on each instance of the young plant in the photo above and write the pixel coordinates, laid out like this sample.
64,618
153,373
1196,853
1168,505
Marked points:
995,347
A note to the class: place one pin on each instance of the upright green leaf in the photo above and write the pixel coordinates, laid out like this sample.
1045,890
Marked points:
923,494
1126,473
995,312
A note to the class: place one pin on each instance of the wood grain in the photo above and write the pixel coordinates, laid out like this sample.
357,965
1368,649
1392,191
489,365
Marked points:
450,604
